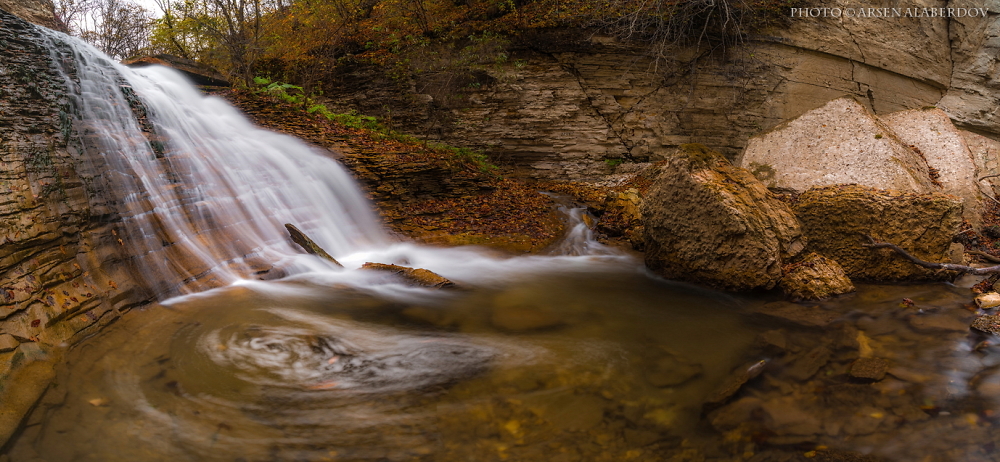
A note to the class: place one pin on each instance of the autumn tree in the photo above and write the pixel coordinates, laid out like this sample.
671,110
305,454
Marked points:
229,34
120,28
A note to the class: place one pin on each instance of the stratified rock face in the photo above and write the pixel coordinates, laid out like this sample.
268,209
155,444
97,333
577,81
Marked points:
839,143
815,277
835,219
945,151
709,222
62,268
39,12
566,104
973,94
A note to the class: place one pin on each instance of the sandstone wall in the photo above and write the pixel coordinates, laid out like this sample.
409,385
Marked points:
567,106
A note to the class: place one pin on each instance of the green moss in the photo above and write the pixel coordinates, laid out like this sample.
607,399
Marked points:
763,172
699,154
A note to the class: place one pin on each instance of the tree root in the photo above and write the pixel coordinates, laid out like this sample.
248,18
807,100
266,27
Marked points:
926,264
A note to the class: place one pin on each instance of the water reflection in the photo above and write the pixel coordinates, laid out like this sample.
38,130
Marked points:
294,370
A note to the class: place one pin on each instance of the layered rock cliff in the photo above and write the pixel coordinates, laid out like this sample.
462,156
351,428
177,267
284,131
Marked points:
572,105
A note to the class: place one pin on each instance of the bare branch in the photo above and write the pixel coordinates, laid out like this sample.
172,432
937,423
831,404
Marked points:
926,264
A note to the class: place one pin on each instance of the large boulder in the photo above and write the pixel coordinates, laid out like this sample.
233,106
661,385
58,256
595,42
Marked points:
835,220
839,143
710,222
943,147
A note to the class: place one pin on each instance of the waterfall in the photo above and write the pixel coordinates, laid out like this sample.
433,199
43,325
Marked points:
204,194
201,189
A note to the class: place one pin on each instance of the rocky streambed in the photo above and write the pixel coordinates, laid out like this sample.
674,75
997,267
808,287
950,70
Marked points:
596,362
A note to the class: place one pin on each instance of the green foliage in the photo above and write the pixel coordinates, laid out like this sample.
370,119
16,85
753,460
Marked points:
614,162
354,120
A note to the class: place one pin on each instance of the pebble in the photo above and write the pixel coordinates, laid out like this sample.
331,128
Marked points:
989,324
988,300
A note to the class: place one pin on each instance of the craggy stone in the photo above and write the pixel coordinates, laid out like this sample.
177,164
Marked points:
64,265
808,316
869,369
709,222
808,364
416,276
739,377
834,220
815,277
989,324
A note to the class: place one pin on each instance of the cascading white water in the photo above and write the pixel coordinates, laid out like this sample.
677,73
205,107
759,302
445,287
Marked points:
220,188
202,189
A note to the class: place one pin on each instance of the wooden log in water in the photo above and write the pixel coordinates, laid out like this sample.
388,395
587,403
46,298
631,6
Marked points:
415,276
311,247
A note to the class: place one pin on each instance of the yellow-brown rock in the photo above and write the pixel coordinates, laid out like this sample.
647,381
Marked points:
709,222
815,277
835,220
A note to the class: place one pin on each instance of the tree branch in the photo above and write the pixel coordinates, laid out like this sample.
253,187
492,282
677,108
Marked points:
926,264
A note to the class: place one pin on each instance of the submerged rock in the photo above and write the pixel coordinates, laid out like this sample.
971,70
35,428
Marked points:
808,364
709,222
733,384
520,310
835,220
797,314
869,369
671,370
814,278
416,276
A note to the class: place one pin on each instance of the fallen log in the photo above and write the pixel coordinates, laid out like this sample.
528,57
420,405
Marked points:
415,276
310,247
931,265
